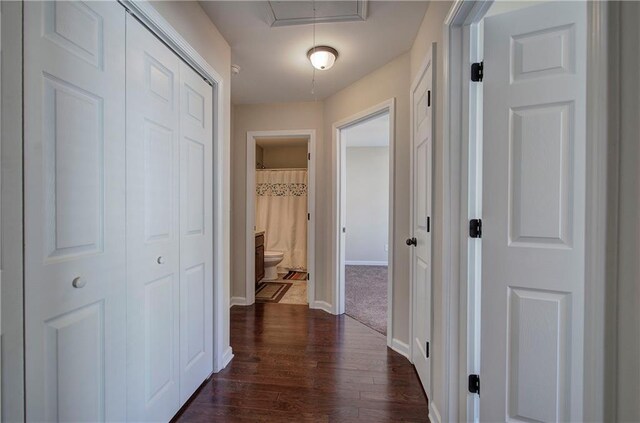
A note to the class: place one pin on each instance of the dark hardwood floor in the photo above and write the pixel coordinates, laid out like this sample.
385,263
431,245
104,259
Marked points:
293,364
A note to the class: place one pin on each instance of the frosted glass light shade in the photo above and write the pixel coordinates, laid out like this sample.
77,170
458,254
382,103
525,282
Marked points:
322,57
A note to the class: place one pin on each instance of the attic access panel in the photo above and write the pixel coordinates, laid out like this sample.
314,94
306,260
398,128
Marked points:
284,13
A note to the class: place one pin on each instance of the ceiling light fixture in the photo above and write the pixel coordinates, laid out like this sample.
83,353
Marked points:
322,57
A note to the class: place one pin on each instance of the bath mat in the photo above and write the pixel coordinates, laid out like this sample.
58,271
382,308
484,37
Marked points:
297,294
271,292
296,276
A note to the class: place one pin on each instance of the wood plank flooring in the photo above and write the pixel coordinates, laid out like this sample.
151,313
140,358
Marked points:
293,364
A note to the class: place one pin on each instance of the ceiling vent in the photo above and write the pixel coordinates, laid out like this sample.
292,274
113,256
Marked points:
285,13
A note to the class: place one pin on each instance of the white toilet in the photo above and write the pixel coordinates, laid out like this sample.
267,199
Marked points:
271,261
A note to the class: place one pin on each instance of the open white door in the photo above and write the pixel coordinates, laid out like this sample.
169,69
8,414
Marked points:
533,235
422,151
343,228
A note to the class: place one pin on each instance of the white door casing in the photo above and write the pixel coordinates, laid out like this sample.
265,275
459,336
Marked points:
422,96
533,241
153,227
74,211
196,231
342,245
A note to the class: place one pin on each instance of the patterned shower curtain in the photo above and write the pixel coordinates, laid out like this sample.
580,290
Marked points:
281,211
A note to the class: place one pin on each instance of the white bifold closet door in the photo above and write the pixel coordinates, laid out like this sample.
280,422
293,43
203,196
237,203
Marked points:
169,228
74,209
196,231
153,225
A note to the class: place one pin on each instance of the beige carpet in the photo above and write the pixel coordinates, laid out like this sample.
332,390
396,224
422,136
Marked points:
366,295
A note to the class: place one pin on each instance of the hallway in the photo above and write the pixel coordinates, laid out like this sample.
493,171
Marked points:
296,364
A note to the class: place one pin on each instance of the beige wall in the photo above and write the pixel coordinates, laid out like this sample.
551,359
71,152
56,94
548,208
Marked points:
626,390
367,204
259,157
266,117
284,157
431,31
191,21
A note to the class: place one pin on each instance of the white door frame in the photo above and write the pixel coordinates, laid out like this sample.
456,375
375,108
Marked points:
310,134
12,208
13,406
460,254
339,183
462,131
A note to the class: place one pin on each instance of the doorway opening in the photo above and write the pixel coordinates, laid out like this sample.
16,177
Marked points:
281,220
365,197
367,221
280,193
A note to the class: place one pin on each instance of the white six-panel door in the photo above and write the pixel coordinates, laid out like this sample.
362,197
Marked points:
196,231
153,227
74,211
533,242
422,150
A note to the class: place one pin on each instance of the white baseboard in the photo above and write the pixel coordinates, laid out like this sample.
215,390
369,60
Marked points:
322,305
400,347
225,360
434,414
228,356
238,301
365,263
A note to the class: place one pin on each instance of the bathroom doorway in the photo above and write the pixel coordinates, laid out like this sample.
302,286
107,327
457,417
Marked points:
280,217
364,147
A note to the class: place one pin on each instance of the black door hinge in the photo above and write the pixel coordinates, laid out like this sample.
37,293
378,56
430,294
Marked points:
428,98
308,156
474,384
475,228
426,349
428,223
308,276
308,216
477,71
